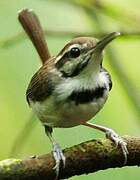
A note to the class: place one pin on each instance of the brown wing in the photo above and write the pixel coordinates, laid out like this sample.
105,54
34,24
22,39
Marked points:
40,86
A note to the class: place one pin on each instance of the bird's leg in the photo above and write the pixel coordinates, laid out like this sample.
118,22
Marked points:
57,151
113,136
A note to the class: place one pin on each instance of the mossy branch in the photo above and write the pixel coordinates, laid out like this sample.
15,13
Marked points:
87,157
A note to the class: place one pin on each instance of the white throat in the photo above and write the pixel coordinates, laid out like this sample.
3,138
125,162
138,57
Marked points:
64,89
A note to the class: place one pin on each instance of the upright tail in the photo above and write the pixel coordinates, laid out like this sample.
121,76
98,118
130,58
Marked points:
33,28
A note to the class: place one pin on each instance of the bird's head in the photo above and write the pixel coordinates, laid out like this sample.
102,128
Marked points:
82,54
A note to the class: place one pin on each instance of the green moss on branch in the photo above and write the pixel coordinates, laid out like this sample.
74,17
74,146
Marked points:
87,157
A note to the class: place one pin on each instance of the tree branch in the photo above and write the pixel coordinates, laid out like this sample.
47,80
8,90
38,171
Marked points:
87,157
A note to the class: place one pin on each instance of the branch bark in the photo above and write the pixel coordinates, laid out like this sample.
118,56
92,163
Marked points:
87,157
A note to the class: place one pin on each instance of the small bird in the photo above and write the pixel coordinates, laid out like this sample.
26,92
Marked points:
71,88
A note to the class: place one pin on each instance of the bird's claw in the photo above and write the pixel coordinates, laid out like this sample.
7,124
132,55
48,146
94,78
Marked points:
113,136
59,158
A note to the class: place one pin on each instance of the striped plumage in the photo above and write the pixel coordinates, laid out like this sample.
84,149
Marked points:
69,89
76,94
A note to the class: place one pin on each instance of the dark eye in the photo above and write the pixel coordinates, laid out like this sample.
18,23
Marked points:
74,52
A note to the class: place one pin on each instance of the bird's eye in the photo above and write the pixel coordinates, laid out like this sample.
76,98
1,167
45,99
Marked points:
74,52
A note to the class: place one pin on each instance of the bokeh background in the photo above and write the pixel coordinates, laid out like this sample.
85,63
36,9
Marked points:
21,134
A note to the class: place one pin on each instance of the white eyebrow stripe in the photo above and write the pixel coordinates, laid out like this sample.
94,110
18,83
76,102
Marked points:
74,46
70,47
81,46
58,58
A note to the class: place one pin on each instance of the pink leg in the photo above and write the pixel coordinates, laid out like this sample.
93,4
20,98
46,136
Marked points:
112,135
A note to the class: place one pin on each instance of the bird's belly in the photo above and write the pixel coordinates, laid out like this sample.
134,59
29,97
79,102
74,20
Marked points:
74,115
67,114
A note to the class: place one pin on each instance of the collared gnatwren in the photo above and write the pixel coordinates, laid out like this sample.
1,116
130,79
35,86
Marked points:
71,88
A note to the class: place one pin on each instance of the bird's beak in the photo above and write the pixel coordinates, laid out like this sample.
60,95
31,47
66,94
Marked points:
105,41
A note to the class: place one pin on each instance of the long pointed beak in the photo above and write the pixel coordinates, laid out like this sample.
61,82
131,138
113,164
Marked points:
105,41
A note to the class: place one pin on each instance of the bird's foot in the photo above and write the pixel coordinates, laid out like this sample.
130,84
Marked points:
113,136
59,158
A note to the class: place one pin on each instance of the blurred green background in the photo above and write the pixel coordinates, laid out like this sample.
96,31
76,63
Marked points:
19,61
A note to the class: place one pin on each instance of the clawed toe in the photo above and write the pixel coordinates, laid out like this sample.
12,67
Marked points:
110,134
123,146
59,158
113,136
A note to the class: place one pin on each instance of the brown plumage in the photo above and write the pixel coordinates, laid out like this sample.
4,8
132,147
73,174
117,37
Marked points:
40,86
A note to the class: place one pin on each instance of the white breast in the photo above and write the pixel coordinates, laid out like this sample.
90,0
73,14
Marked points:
64,89
57,112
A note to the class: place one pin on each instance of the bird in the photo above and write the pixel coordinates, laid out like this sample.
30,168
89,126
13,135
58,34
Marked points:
71,88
